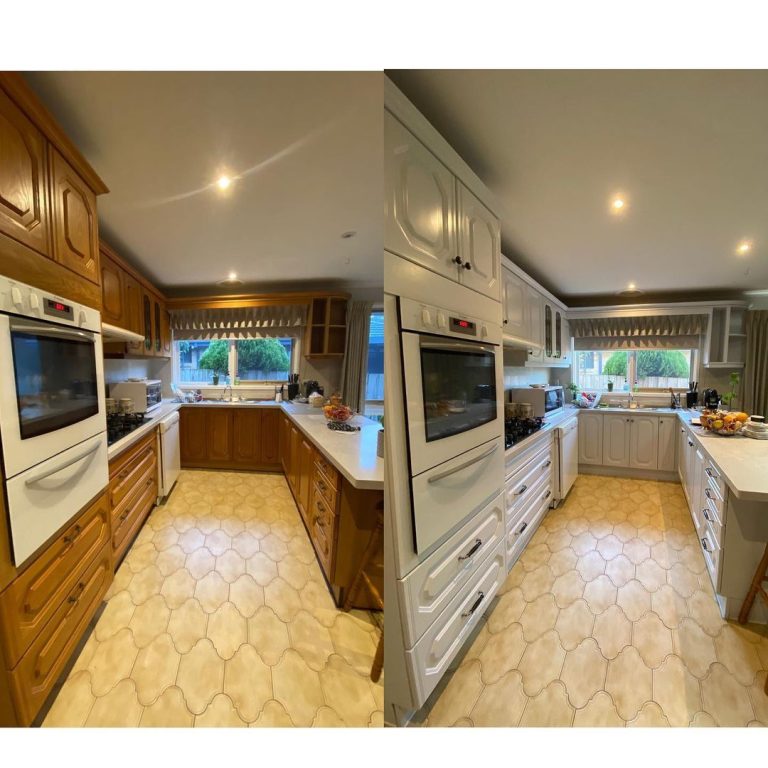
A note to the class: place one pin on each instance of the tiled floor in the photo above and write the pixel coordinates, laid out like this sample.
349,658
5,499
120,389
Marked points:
608,619
219,615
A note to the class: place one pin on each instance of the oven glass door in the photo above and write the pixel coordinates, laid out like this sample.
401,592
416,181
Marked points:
55,375
459,386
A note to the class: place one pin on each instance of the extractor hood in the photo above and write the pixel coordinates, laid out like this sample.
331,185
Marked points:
113,333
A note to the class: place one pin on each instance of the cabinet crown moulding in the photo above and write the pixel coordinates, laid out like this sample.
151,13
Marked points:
239,301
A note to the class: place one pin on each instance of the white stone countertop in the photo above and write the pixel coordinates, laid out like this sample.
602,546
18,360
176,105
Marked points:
550,423
352,453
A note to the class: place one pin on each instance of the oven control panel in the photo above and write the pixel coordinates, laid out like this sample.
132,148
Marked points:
426,318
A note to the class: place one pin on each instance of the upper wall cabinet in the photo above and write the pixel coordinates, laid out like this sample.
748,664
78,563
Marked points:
23,193
113,306
725,345
479,246
515,317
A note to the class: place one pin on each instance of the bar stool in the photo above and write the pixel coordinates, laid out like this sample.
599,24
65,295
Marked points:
757,588
362,578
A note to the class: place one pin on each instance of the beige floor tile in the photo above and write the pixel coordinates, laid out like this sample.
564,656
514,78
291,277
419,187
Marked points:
116,616
187,625
315,644
155,669
650,716
502,652
664,555
534,555
634,600
328,718
268,635
227,630
112,662
292,570
501,704
600,594
232,525
208,524
759,698
578,524
220,713
169,711
695,647
612,631
538,617
610,546
629,681
118,708
727,700
297,687
178,588
583,543
141,556
583,673
347,692
567,588
458,696
191,540
537,582
574,624
558,539
200,563
600,712
541,663
170,560
201,676
682,580
245,544
636,550
507,611
212,591
230,566
562,561
165,538
669,606
650,535
676,691
149,620
624,532
282,598
549,708
620,570
73,704
273,716
274,547
246,595
145,584
652,639
262,568
590,566
703,720
737,656
248,682
651,575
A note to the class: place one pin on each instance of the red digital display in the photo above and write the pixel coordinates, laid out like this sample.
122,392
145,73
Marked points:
463,324
58,305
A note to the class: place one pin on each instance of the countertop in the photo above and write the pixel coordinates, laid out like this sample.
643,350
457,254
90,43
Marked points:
551,423
352,453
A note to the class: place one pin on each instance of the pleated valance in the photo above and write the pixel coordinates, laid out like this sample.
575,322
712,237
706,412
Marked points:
281,321
642,332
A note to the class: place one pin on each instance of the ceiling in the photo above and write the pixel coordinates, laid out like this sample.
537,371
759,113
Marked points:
688,150
304,150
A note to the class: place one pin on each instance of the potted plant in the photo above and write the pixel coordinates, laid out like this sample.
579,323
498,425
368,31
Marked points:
729,397
216,359
610,385
573,388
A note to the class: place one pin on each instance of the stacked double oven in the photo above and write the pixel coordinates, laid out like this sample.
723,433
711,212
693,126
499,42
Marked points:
52,420
445,474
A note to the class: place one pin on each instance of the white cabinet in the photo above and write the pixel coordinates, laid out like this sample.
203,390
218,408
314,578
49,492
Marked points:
479,246
668,426
515,306
616,429
535,311
643,442
590,438
565,336
725,343
421,202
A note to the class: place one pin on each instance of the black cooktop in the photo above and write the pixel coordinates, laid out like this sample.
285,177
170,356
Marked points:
120,424
516,429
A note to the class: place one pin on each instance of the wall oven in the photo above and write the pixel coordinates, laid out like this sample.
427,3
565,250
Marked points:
52,420
452,383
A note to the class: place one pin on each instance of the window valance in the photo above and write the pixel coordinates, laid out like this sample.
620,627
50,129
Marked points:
281,321
642,332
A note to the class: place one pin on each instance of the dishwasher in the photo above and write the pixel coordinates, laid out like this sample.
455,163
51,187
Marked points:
567,440
170,454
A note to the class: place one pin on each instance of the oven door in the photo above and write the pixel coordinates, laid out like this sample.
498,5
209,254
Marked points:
451,390
51,390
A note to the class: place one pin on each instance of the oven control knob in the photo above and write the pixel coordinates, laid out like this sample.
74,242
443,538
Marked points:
16,297
441,321
34,301
81,318
484,331
426,318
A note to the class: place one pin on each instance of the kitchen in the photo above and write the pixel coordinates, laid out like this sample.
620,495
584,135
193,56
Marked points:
575,331
192,502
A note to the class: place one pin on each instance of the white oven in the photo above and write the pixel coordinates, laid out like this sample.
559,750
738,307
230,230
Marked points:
52,419
452,382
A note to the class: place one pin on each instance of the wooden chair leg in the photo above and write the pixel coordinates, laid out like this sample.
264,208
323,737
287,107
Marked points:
378,660
756,588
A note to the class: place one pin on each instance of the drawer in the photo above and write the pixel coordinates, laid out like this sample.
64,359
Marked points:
30,601
712,554
330,472
429,587
715,479
442,641
513,466
520,533
714,499
133,513
518,486
322,541
39,668
711,521
126,479
529,498
324,486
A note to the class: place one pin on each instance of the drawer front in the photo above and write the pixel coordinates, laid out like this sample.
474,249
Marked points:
126,479
513,466
41,665
524,501
711,515
715,479
520,533
324,486
517,488
443,640
712,554
330,472
714,499
323,544
134,513
30,601
434,583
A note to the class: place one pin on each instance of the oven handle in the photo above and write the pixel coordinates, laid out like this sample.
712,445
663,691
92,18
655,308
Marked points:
448,472
51,331
450,346
48,472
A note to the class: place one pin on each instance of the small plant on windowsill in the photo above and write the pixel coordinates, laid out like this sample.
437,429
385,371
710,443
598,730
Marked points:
573,388
609,385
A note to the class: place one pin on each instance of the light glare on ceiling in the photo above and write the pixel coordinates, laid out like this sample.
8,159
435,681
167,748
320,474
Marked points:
233,275
223,182
631,287
744,247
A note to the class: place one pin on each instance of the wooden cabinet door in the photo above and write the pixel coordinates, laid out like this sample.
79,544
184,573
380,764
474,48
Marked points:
306,463
667,443
192,435
616,429
420,195
295,443
147,321
479,246
285,444
515,309
246,436
643,442
549,349
75,223
113,309
165,332
218,433
270,436
590,438
23,179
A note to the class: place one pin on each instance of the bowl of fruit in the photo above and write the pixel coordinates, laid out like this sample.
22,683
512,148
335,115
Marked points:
336,411
723,422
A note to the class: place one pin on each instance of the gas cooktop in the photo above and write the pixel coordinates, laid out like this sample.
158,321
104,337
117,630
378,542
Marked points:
121,424
516,429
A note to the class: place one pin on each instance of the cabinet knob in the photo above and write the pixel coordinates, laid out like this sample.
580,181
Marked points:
467,265
458,260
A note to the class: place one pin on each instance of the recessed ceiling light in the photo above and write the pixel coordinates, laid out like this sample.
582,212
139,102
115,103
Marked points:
618,205
223,182
744,247
630,290
347,235
232,276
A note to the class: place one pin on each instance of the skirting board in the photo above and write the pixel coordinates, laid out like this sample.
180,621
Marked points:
637,474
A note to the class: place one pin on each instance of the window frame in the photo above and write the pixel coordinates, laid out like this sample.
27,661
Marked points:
375,309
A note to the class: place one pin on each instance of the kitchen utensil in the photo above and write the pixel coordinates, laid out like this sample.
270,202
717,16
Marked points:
691,399
293,390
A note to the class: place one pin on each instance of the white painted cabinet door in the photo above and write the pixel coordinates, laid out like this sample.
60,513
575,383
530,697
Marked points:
479,246
644,442
668,426
616,429
682,445
590,438
566,335
535,309
420,202
515,306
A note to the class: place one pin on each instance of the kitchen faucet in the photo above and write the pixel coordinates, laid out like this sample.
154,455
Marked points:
224,392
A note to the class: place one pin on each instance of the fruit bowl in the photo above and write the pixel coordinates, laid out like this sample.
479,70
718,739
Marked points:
723,422
339,413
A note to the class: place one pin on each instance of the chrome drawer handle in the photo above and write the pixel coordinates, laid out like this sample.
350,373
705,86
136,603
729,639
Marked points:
704,545
548,463
708,494
48,472
522,528
475,606
523,488
710,472
449,472
75,533
547,495
706,515
690,443
478,543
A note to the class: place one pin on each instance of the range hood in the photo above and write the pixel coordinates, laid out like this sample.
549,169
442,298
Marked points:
113,333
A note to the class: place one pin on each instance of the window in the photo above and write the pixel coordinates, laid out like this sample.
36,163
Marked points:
374,380
253,360
644,368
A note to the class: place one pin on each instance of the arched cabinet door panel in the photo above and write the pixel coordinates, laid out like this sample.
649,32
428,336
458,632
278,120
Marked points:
479,246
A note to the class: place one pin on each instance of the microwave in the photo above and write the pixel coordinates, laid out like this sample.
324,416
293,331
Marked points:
146,394
546,401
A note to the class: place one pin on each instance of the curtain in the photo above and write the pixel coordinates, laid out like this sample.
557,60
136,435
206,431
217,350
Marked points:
356,354
756,363
643,332
281,321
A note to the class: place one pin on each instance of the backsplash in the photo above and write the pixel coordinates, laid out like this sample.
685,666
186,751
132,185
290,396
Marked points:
136,368
516,376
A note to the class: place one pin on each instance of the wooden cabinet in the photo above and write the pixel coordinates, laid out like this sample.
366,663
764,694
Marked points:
294,443
75,223
113,307
420,198
616,429
147,323
667,446
590,438
23,179
218,433
192,442
133,305
271,422
165,332
643,441
479,245
285,445
246,436
306,462
327,327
